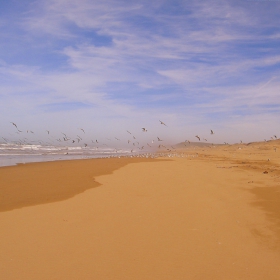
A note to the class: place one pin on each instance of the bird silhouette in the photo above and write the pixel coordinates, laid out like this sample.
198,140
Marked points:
162,123
14,124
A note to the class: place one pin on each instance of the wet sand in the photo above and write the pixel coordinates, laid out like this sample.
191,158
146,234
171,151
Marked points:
211,214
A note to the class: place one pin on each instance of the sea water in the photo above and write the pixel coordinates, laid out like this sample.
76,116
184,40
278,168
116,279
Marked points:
12,154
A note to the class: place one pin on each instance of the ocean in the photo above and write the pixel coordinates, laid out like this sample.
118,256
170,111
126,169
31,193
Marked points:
12,154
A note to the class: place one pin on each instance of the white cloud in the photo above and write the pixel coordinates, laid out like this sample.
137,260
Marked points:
191,64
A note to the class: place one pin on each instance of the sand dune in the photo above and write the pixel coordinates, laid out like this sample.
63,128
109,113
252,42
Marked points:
211,214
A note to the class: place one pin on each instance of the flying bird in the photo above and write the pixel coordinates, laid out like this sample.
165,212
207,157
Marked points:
144,129
82,130
159,139
128,132
197,137
162,123
212,132
14,124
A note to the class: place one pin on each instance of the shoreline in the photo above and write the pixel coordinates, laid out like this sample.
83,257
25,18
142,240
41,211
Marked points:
31,183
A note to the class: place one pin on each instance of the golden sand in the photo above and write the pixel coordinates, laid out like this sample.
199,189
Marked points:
212,214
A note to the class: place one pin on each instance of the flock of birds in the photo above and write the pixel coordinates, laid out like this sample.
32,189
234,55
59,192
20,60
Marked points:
65,140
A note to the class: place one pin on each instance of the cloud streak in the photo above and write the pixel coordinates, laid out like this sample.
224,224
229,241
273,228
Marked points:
208,62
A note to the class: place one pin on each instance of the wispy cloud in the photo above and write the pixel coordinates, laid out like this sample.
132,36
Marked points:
208,62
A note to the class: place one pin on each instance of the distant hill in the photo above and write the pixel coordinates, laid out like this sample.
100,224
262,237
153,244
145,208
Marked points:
184,145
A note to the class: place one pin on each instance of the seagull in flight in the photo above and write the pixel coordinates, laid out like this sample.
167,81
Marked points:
144,129
162,123
14,124
159,139
82,130
197,137
212,132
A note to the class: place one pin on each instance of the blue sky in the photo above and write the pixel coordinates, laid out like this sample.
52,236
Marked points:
110,66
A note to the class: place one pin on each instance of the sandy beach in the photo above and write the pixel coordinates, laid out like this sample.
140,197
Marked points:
205,213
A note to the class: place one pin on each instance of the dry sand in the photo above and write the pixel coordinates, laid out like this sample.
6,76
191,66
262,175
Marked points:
212,214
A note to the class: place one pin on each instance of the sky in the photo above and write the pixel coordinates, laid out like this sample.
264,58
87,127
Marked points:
108,66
